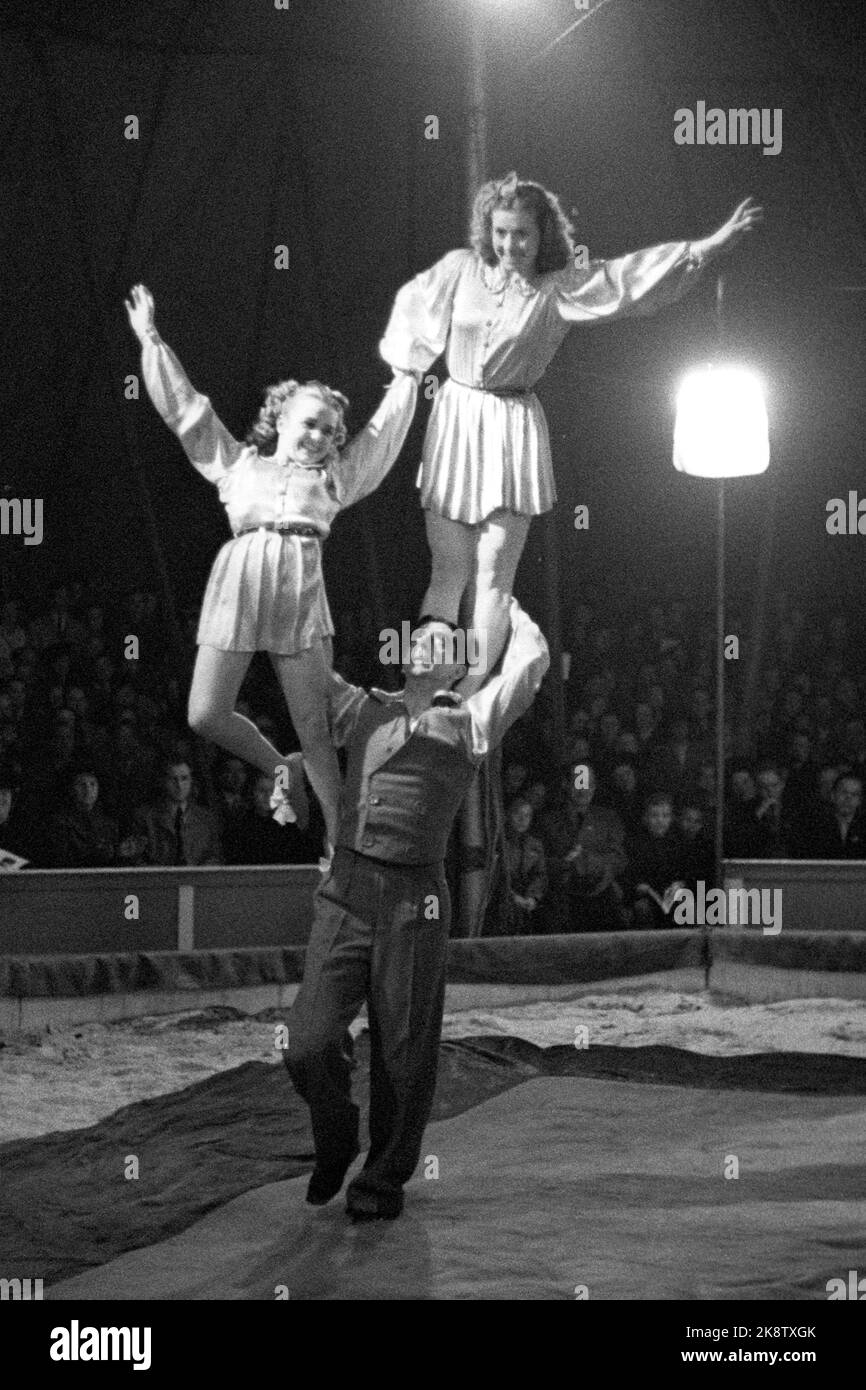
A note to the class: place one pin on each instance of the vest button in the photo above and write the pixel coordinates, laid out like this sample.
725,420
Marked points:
374,800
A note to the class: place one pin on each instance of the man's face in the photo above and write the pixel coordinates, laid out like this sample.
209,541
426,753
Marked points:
658,817
232,775
770,785
431,654
85,791
691,821
178,783
743,784
848,796
521,817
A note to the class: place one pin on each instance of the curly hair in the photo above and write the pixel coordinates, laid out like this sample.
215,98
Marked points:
556,248
263,433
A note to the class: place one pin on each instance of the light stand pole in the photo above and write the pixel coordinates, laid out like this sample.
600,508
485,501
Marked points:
719,839
721,432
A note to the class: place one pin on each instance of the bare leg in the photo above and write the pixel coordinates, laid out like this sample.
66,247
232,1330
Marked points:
501,539
452,551
306,680
216,680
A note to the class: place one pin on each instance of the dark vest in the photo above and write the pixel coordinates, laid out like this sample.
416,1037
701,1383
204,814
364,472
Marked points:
401,799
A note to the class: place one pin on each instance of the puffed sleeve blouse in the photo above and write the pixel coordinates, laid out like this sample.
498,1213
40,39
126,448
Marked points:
253,487
499,342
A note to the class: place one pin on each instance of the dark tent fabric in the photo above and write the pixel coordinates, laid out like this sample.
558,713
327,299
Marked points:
305,127
66,1204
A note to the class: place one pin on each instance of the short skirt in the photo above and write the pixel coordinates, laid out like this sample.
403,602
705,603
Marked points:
483,452
266,593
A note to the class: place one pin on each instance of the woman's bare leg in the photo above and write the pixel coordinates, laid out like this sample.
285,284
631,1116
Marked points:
216,681
500,542
306,683
452,552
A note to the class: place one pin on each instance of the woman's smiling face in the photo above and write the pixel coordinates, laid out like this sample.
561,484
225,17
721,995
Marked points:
307,427
516,239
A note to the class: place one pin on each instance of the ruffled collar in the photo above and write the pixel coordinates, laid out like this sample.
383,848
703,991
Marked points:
498,280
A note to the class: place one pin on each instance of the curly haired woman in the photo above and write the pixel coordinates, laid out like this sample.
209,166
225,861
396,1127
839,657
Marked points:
502,309
281,490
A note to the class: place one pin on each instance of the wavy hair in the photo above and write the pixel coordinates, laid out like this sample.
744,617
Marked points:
263,433
556,247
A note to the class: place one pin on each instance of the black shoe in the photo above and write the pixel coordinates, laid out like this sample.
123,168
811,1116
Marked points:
365,1206
325,1182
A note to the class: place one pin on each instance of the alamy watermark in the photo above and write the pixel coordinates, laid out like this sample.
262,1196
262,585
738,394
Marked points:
732,906
736,126
461,647
22,516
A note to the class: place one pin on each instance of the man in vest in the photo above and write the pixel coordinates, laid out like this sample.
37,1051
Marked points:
382,914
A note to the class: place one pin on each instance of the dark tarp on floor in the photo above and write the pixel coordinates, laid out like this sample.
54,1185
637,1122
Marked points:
66,1207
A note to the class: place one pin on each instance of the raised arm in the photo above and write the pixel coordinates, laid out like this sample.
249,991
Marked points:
643,281
205,440
421,317
373,451
345,702
507,696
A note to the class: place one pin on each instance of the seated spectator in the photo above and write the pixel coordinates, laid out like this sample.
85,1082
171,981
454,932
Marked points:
699,858
853,745
524,874
624,795
656,864
645,729
131,768
231,779
12,631
175,830
739,811
514,778
769,833
536,795
838,832
704,789
80,836
58,624
801,783
15,853
586,859
252,836
674,766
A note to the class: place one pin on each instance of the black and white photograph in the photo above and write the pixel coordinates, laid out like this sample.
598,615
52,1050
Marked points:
432,671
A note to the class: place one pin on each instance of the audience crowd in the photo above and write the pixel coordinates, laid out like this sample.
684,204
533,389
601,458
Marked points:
99,768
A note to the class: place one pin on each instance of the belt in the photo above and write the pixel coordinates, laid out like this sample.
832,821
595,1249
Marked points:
495,390
283,530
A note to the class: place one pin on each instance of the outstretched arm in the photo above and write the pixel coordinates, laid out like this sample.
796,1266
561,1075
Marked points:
345,702
643,281
373,452
205,439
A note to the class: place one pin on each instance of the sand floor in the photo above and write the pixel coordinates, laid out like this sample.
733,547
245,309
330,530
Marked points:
73,1077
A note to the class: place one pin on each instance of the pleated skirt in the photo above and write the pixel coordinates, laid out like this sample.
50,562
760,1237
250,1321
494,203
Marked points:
484,452
266,593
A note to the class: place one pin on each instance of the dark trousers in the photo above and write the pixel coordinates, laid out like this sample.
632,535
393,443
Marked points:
380,934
